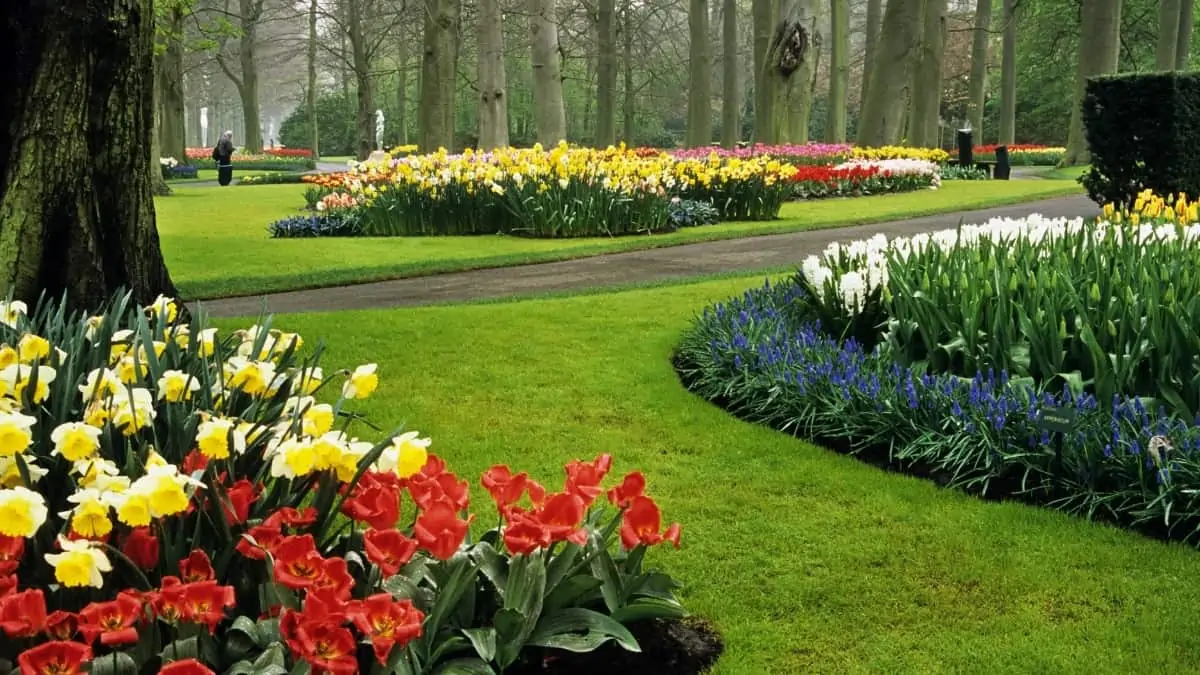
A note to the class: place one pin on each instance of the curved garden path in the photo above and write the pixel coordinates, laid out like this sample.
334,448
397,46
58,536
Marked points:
676,262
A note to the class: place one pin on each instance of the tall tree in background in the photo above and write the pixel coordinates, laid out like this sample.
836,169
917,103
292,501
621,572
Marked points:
172,124
839,70
1169,15
493,87
790,65
870,38
247,19
1099,42
1183,44
76,210
436,108
731,99
549,110
763,15
606,73
628,121
926,93
310,91
360,65
1008,76
699,117
896,52
402,39
977,86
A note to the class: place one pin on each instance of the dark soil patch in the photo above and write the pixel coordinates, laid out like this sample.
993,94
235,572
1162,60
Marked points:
683,647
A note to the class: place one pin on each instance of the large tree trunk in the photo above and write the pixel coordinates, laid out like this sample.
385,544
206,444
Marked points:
1183,43
158,184
977,86
606,73
926,95
796,92
436,111
629,104
1008,76
170,76
731,101
364,111
874,18
310,96
493,87
1099,42
76,213
1169,14
549,111
402,86
839,70
891,74
764,98
699,112
251,13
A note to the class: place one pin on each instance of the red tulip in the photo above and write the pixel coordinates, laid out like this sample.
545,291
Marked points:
186,667
440,531
196,567
373,503
62,625
506,489
445,486
142,548
297,563
334,578
23,614
389,549
387,623
113,622
265,538
55,658
641,522
324,645
560,517
8,585
583,478
241,496
634,485
11,550
204,602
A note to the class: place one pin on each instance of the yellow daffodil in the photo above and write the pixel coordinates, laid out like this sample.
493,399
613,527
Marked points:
292,458
317,419
10,472
307,381
82,563
176,386
93,325
22,512
362,382
15,434
406,455
164,308
75,440
12,312
89,518
218,438
252,377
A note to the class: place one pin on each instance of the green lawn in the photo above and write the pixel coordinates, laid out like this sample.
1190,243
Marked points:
808,561
216,243
203,175
1069,173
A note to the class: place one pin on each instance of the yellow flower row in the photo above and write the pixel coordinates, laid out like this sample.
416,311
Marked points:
900,152
1150,206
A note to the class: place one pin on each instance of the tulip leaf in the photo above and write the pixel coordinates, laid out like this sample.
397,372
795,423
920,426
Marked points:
465,666
561,629
241,638
491,563
180,650
642,609
117,663
522,606
483,640
606,570
571,591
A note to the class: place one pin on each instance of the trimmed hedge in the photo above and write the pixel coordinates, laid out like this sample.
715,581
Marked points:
1143,131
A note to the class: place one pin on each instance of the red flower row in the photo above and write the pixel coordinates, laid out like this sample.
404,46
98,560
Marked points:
1017,147
288,152
829,174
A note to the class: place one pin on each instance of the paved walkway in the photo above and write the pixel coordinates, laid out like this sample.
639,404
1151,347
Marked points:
676,262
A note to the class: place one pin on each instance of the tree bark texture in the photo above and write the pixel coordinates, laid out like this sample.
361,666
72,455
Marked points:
402,86
977,86
731,97
1008,76
897,51
158,184
606,73
173,129
252,14
1183,42
763,13
1099,43
1169,14
76,212
874,19
436,108
493,87
699,111
629,105
549,111
364,109
796,92
926,95
839,70
310,93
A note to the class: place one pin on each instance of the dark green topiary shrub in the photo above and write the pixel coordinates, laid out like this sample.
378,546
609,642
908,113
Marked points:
1143,131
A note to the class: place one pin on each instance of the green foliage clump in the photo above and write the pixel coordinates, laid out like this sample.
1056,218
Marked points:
1143,131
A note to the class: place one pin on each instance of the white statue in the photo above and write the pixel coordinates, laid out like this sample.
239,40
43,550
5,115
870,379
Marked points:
204,127
378,129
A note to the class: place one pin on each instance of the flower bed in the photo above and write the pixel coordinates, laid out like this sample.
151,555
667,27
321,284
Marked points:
563,192
266,161
288,152
816,153
1023,155
173,170
1045,359
172,497
863,177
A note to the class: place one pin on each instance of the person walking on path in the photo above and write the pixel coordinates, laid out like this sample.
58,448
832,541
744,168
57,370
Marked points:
223,156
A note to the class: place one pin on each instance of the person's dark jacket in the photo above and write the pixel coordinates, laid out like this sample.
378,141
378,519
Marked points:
223,152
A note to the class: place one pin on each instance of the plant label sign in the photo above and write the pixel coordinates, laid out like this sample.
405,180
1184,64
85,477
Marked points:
1059,420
